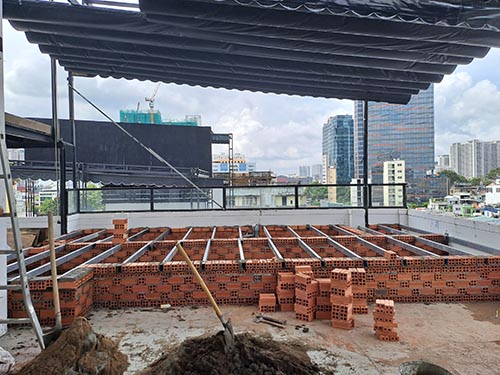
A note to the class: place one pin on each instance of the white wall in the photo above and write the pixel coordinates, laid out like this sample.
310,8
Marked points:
480,232
351,217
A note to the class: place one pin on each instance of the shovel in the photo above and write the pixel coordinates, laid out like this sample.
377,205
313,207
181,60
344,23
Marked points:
52,334
229,340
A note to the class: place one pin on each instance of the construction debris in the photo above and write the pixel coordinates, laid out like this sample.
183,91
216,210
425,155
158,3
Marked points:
252,356
271,321
79,351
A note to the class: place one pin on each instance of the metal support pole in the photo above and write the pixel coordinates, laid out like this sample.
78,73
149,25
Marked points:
71,103
366,204
63,202
61,154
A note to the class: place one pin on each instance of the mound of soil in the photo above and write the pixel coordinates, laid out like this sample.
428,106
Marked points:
79,351
252,356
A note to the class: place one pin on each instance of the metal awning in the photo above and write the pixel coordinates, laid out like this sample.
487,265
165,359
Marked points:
366,50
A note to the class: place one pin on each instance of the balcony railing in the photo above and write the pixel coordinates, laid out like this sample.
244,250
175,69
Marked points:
119,199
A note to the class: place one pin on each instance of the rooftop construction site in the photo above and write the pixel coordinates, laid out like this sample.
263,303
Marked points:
163,269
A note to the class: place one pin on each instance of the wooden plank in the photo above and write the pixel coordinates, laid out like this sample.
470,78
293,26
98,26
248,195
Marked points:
21,122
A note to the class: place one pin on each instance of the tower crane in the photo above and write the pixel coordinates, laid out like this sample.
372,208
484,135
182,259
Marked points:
151,101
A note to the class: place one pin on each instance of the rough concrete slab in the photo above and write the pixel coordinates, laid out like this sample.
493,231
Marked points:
463,338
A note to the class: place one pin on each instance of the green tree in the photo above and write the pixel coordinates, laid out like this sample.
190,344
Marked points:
315,194
48,205
453,176
92,200
475,181
491,176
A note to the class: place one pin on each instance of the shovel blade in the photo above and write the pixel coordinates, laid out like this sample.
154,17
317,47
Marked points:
229,338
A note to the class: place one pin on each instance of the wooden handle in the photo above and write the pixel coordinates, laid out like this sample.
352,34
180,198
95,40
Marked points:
200,280
53,272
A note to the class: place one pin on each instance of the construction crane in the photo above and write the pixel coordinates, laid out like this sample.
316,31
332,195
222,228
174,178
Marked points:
151,101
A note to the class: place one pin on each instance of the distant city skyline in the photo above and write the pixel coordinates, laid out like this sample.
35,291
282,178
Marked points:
278,132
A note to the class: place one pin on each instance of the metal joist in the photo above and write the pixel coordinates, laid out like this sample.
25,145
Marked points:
137,235
338,246
448,249
34,258
391,230
379,250
404,245
103,255
59,261
273,247
308,249
146,247
90,237
172,252
207,248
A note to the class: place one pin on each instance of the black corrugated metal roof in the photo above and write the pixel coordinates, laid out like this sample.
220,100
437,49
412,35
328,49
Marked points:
352,49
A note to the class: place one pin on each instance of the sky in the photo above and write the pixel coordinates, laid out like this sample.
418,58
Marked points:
278,132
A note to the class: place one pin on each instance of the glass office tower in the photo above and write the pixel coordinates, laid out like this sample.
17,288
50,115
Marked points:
338,147
404,132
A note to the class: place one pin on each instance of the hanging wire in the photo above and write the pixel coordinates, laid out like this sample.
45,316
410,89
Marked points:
148,149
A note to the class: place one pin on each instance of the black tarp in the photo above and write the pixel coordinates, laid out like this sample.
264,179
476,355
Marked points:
102,142
353,49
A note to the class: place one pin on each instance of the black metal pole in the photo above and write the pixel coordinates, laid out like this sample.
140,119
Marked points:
365,161
71,103
60,155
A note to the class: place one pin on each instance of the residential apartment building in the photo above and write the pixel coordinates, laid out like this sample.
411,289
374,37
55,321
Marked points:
474,158
403,132
317,172
394,173
305,171
338,147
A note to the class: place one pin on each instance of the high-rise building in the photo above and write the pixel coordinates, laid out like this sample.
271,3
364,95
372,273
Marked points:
317,172
474,158
397,132
442,164
394,173
338,147
305,171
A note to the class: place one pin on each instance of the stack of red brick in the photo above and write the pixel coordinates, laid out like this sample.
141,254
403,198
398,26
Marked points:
267,303
323,304
306,291
384,323
120,230
286,291
359,291
341,299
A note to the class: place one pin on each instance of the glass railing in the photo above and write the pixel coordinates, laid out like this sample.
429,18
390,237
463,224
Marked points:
234,198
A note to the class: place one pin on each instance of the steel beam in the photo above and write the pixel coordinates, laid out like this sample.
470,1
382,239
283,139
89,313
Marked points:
391,230
90,237
133,238
338,246
273,247
172,252
308,249
34,258
407,246
450,250
103,255
146,247
59,261
344,232
240,248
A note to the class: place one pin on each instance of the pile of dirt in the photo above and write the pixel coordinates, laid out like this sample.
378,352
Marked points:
79,350
252,356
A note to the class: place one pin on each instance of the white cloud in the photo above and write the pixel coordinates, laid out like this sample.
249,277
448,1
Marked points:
279,132
465,110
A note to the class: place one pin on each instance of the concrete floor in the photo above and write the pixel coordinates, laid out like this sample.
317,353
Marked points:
463,338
